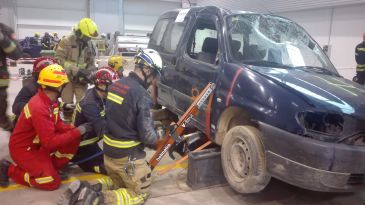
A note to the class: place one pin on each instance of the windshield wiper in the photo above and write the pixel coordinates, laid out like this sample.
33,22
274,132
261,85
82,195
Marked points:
266,64
316,69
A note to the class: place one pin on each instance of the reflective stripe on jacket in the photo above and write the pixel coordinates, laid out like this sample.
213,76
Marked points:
360,57
39,125
129,122
90,109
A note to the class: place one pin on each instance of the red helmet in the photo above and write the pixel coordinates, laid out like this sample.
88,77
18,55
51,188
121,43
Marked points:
104,75
42,62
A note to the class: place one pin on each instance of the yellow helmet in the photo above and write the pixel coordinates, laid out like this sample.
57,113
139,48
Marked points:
53,76
37,34
115,62
87,28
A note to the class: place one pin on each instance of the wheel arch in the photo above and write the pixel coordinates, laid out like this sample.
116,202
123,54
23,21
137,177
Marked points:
230,117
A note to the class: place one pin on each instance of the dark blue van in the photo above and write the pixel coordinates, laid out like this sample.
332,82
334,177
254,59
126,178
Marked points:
280,108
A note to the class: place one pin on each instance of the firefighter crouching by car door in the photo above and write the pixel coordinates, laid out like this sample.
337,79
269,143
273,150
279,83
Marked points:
41,143
92,109
77,55
129,129
9,48
116,62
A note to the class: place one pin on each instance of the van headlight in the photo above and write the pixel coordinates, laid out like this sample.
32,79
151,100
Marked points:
321,125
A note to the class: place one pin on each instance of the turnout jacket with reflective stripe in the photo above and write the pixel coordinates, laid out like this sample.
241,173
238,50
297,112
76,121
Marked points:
8,48
90,109
23,97
129,122
360,56
39,127
72,53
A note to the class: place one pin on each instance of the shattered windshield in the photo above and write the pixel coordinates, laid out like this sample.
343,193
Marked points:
272,41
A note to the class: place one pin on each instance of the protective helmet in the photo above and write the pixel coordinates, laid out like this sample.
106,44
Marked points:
87,27
103,35
53,76
55,34
42,62
150,58
115,62
104,75
37,34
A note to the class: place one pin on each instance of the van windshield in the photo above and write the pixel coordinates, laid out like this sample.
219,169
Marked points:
272,41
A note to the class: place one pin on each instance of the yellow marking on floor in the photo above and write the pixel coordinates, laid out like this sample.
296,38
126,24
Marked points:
88,177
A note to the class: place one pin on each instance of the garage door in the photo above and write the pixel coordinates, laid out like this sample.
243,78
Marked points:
49,16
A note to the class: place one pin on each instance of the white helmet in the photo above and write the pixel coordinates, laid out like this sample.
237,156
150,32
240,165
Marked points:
103,35
150,58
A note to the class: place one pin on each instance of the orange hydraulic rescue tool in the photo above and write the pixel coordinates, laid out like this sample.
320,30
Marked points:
175,135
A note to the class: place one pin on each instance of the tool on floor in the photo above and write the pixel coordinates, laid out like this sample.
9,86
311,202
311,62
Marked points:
175,135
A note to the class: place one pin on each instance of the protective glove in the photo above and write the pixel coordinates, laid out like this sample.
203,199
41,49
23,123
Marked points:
84,128
68,107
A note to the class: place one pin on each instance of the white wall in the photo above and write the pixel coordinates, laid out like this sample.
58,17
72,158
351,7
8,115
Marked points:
141,15
107,14
348,24
48,16
7,13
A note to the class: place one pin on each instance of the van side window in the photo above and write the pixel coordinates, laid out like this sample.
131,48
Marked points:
157,34
172,36
203,43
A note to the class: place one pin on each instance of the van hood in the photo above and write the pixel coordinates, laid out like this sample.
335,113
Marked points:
322,91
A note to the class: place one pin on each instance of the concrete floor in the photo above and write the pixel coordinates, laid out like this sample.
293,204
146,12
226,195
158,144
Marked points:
172,189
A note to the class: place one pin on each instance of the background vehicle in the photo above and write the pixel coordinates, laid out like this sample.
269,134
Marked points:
30,48
280,108
129,45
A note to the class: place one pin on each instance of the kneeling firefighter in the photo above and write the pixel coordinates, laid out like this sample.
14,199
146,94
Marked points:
128,130
92,109
41,143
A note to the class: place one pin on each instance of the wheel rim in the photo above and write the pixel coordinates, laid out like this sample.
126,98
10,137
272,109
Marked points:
239,159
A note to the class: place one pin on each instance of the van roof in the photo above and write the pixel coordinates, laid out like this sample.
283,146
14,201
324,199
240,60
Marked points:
208,9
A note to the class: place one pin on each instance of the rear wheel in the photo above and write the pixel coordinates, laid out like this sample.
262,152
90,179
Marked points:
243,160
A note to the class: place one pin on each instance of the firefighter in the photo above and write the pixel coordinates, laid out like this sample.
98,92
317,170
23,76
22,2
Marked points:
8,49
42,143
77,55
360,60
46,41
128,130
92,109
116,62
28,91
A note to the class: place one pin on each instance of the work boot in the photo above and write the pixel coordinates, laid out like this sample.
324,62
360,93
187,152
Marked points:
4,178
88,196
63,175
71,195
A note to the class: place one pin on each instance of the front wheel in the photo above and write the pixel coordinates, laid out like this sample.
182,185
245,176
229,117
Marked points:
244,161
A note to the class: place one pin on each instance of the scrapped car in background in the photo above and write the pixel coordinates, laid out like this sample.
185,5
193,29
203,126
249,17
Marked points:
129,45
280,108
31,49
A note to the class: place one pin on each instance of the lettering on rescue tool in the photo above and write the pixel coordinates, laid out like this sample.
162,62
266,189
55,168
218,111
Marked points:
175,135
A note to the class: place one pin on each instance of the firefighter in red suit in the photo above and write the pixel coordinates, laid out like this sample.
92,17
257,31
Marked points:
41,143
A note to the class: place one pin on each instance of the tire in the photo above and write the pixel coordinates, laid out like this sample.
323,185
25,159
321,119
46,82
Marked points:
243,160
